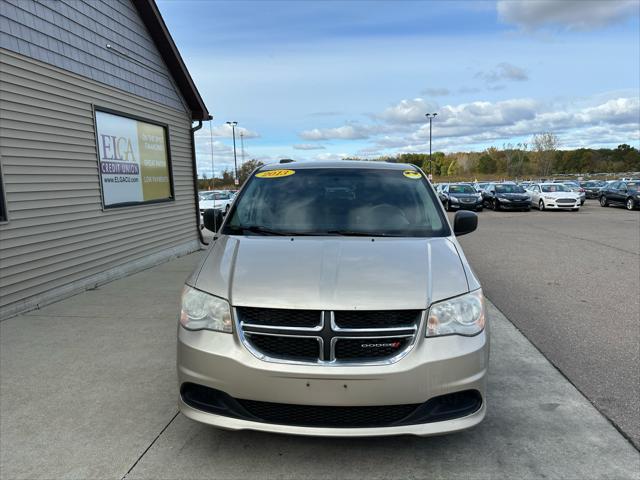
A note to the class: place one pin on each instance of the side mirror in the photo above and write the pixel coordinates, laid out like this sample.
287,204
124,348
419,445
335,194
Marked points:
492,192
212,219
464,222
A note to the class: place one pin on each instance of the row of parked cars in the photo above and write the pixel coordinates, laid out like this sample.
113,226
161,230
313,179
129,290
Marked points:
553,195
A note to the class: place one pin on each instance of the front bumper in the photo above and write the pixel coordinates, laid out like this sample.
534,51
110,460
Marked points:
552,205
466,206
434,367
515,205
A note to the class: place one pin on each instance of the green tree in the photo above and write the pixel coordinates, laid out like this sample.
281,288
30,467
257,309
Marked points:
246,169
487,164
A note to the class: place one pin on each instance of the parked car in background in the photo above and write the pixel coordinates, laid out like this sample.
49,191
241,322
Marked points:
577,189
621,193
555,196
592,187
480,186
506,195
456,196
439,188
217,200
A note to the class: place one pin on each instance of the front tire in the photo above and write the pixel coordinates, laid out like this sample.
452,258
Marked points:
603,201
495,205
447,206
541,205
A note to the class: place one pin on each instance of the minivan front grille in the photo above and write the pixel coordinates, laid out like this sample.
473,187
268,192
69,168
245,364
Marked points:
328,337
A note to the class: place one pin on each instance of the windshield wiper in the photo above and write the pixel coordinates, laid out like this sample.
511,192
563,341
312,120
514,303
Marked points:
358,233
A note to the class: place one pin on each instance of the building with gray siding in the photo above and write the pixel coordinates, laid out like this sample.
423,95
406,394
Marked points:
97,163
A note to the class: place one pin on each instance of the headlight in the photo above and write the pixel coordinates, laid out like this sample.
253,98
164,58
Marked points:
548,198
453,199
201,311
504,199
463,315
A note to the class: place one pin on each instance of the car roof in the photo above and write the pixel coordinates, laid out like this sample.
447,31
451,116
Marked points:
339,164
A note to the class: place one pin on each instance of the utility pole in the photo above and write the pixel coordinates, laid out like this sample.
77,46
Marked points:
235,159
430,116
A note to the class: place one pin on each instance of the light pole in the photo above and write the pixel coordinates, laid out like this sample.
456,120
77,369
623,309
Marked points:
235,160
430,116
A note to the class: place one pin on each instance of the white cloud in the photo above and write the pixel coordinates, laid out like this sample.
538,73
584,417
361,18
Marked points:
473,125
345,132
408,111
330,156
503,71
225,131
569,14
308,146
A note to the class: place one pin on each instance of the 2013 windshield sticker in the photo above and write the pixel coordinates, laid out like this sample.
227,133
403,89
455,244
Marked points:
275,173
411,174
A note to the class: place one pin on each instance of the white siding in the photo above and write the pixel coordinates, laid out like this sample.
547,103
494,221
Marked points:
58,234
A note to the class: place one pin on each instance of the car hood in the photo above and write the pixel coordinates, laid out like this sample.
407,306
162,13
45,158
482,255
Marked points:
513,196
212,203
464,195
561,194
333,273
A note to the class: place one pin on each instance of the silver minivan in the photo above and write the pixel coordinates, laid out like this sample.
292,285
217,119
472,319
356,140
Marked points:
335,300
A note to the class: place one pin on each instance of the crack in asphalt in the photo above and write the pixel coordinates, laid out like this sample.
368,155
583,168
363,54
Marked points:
150,445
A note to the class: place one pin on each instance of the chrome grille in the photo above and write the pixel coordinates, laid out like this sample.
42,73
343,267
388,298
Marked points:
328,337
566,200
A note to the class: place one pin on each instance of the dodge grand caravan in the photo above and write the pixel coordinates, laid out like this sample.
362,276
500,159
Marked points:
335,300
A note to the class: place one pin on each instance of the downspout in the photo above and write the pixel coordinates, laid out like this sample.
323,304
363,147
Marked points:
194,165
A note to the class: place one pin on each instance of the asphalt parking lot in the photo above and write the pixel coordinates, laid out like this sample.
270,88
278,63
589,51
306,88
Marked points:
88,390
570,281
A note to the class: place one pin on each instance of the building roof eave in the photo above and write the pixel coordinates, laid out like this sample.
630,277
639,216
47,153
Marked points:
159,32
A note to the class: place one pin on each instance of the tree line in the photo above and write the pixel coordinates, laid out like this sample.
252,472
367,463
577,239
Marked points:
542,157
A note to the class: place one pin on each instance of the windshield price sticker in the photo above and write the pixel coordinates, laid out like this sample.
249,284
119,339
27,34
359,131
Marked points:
411,174
275,173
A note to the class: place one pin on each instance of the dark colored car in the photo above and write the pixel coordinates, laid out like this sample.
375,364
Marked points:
592,187
506,196
621,193
458,196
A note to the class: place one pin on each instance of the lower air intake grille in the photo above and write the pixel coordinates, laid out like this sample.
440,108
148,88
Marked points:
444,407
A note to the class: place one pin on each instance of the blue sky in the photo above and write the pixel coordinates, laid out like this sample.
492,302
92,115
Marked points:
322,80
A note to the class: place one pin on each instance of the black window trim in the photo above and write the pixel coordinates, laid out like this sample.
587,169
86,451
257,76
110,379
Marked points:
138,118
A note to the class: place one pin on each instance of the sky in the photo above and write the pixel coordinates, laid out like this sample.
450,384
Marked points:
322,80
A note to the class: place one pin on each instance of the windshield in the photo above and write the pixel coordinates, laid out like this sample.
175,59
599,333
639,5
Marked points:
508,188
461,189
215,196
338,201
556,187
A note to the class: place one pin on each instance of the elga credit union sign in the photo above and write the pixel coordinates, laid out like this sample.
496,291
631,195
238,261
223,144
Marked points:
134,164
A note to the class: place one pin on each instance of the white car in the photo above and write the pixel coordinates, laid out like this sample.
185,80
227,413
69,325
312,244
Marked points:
218,200
553,196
